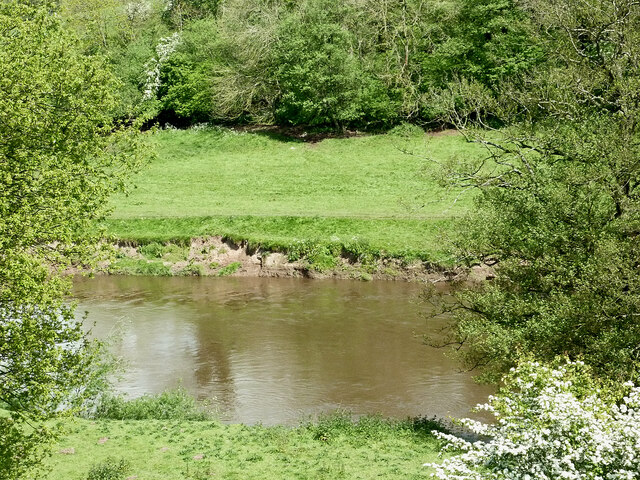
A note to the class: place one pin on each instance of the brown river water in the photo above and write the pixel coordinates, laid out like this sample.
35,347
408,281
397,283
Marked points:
278,351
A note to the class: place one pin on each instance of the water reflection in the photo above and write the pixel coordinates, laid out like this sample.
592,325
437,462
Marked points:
276,350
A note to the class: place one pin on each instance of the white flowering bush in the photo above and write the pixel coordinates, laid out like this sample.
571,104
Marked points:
551,423
137,11
166,46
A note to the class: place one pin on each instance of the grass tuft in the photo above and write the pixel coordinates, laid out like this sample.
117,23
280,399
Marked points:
134,266
170,405
229,269
109,469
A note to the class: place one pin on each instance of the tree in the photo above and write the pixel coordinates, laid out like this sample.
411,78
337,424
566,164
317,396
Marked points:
485,40
321,77
60,157
179,11
242,82
558,209
186,85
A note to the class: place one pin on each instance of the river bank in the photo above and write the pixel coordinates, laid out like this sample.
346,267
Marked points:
218,256
345,207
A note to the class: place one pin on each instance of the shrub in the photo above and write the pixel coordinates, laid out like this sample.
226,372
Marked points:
323,80
552,423
109,469
187,77
406,130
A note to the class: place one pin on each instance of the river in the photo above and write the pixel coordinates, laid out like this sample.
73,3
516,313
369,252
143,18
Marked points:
277,351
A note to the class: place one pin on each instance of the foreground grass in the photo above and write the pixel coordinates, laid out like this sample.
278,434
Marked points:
334,448
275,191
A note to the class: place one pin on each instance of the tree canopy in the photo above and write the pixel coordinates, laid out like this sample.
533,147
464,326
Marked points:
559,203
61,155
366,64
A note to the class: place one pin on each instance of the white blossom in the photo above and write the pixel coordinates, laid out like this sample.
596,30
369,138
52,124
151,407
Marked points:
139,10
166,46
545,431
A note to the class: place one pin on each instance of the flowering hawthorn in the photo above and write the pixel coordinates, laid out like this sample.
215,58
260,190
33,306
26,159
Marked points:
166,46
549,425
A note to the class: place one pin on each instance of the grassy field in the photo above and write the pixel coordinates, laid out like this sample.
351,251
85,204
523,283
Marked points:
335,448
275,190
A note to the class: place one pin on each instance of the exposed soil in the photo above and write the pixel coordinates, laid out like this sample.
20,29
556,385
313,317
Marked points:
213,256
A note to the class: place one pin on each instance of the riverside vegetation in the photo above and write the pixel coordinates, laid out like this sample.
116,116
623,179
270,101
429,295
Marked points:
548,89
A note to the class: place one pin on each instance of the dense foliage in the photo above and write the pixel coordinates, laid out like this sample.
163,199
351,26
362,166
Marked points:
358,64
60,156
551,423
560,199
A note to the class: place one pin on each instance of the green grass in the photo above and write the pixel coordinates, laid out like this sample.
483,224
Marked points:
133,266
335,448
399,238
175,404
273,192
155,250
229,269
